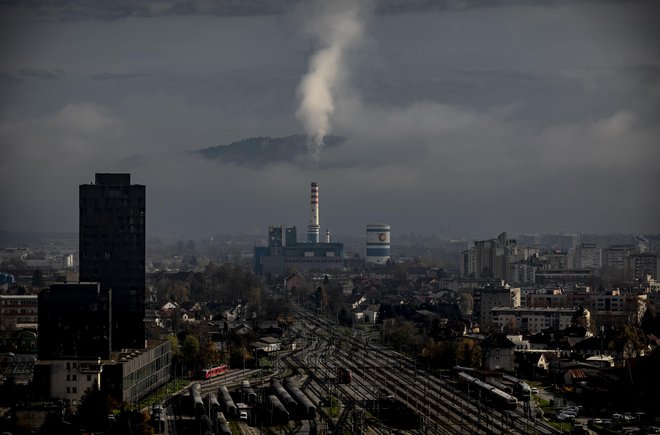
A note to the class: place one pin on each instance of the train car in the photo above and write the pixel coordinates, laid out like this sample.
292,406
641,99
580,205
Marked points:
278,412
306,407
205,425
520,388
214,405
504,400
497,384
525,391
343,375
488,392
213,372
282,394
228,403
249,396
222,426
198,403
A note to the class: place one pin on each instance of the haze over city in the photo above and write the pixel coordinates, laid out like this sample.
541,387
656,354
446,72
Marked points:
463,118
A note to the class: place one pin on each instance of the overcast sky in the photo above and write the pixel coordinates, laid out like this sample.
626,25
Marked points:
460,118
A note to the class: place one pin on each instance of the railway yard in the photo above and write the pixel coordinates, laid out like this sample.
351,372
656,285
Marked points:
349,383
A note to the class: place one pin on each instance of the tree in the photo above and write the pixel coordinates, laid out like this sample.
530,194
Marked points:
209,355
132,422
466,303
93,409
190,349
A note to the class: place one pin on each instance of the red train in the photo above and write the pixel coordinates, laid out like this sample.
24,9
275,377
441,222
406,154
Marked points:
214,372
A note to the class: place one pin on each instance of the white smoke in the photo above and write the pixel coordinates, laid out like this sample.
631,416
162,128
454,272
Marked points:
335,26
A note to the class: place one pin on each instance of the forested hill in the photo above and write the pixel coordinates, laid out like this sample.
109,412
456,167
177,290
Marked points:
259,151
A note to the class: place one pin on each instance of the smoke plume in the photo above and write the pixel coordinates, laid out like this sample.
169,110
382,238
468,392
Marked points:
335,27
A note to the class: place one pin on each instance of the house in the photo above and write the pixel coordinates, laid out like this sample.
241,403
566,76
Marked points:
170,305
371,313
356,301
266,345
240,329
498,352
294,281
272,344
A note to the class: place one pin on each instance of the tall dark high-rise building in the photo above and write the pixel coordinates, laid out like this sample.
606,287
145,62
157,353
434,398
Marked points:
112,251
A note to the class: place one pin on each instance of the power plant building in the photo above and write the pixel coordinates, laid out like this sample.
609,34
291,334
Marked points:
285,253
378,244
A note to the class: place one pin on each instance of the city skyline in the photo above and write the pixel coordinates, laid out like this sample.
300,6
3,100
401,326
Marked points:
466,121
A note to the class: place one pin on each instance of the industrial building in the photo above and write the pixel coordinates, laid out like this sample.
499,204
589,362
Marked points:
378,244
285,253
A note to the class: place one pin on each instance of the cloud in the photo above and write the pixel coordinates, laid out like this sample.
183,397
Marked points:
42,73
114,76
80,10
481,120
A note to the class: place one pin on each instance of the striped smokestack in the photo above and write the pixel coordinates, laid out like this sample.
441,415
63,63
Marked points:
314,228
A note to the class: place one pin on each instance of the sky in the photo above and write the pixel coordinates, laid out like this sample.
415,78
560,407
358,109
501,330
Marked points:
461,118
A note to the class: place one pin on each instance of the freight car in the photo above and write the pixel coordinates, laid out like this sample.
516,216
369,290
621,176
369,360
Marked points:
228,403
278,413
306,408
249,396
282,394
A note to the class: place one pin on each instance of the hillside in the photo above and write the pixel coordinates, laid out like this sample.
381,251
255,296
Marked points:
259,151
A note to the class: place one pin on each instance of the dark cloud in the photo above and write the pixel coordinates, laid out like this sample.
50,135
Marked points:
518,118
114,76
78,10
42,73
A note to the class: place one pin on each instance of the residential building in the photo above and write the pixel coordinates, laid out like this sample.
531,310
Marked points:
74,322
490,297
638,266
588,256
112,251
615,255
19,311
533,320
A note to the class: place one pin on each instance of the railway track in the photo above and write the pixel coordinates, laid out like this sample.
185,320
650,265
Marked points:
463,413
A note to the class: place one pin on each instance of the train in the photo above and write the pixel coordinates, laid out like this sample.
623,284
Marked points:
228,403
497,384
489,392
196,395
520,388
222,426
278,413
214,405
249,396
205,425
306,408
213,372
282,394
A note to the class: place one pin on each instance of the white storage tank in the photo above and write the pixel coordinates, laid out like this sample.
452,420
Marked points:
378,243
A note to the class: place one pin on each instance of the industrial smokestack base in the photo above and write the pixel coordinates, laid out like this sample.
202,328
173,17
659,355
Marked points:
314,229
